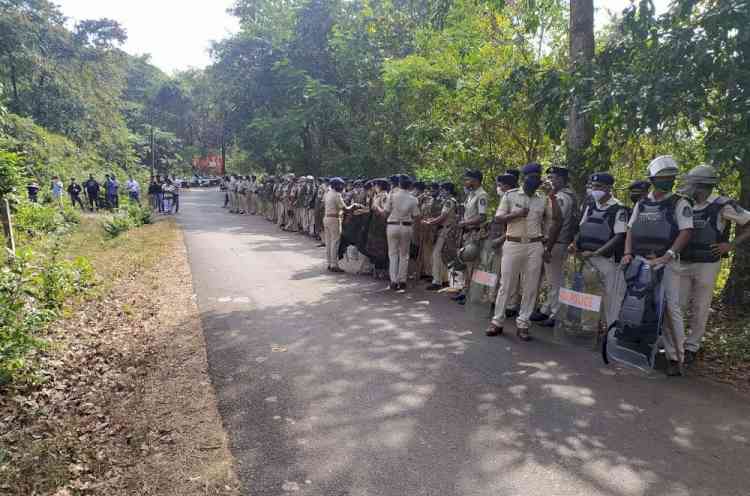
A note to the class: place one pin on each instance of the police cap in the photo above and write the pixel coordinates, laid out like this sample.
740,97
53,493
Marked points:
473,174
531,168
639,185
602,178
558,171
507,179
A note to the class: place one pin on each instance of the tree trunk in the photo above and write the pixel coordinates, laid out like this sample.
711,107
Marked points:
580,127
739,276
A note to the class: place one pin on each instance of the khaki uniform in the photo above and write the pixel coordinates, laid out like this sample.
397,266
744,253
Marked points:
553,270
334,205
475,204
438,267
674,325
609,271
402,208
522,254
698,279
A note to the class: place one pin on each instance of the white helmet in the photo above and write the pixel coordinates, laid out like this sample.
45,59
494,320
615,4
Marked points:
664,165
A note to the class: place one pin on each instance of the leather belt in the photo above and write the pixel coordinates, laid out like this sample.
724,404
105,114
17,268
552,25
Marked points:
399,223
524,240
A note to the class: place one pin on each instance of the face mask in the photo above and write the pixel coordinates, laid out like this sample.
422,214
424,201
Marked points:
467,190
598,195
663,185
531,184
589,191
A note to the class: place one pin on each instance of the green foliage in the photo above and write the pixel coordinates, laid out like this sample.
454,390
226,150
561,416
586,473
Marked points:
140,215
33,289
37,219
10,175
118,224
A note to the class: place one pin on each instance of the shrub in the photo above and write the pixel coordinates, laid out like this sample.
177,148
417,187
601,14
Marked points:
140,215
70,215
32,293
117,225
37,219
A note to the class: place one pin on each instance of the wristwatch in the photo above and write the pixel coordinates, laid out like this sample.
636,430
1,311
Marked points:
671,254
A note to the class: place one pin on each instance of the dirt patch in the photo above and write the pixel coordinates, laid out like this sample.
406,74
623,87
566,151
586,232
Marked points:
126,405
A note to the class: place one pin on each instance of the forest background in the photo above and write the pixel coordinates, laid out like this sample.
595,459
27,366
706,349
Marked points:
371,87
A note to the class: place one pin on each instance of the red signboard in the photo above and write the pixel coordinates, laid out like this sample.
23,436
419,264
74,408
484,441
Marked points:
210,165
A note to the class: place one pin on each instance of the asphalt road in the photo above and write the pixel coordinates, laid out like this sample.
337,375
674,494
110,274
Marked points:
332,385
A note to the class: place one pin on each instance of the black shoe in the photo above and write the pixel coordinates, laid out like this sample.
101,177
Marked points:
393,286
511,313
493,330
548,323
690,356
459,297
433,287
337,270
538,316
402,286
674,369
446,284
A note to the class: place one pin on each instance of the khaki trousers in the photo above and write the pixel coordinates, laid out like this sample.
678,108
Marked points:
438,267
553,273
673,328
252,204
521,262
697,283
333,238
399,240
613,280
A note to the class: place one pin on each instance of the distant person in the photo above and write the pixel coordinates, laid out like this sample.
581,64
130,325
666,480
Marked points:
134,190
33,191
175,206
112,189
57,190
91,186
74,191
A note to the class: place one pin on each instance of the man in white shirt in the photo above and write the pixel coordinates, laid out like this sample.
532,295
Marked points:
134,190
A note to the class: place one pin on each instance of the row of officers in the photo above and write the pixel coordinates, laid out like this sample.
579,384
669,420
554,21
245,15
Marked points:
538,224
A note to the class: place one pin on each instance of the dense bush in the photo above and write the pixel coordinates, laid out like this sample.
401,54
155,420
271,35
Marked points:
140,215
33,289
118,224
36,219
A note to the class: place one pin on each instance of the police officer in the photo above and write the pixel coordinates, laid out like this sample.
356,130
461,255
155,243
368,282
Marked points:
600,241
557,252
475,214
443,222
503,184
524,213
659,229
638,190
701,258
402,209
334,207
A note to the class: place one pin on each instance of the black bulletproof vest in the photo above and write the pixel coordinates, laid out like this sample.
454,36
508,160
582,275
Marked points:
598,228
706,233
656,228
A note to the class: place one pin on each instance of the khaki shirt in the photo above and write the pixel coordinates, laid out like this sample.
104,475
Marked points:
401,206
333,203
475,204
449,210
530,226
683,212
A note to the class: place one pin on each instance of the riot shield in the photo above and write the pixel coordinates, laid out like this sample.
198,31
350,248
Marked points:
482,290
636,337
452,244
579,319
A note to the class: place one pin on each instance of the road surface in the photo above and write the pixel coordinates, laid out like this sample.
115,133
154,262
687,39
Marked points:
332,385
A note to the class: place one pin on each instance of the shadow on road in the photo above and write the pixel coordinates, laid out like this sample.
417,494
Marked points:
362,391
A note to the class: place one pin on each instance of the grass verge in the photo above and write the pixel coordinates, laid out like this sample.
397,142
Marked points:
125,405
